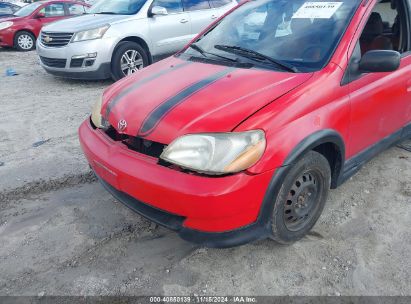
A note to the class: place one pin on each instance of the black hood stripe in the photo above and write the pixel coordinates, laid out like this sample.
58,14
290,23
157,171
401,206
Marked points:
112,103
163,109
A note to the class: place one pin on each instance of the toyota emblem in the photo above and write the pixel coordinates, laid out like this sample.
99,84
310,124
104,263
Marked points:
122,125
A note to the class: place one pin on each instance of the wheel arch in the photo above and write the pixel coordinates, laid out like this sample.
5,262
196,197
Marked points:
327,142
24,30
138,40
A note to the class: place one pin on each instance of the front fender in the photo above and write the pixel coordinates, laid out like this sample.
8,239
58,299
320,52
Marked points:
314,140
313,114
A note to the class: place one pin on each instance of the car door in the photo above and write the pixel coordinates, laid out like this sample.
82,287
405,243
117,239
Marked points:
50,13
75,9
380,101
201,14
171,30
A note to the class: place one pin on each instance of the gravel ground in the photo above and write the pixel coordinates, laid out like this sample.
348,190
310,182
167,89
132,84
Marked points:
62,234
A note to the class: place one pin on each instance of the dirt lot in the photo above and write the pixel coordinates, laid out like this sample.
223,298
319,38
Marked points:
62,234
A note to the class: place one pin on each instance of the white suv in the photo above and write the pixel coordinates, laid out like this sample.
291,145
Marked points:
118,37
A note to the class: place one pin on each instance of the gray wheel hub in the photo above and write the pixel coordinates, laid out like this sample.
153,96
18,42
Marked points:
131,62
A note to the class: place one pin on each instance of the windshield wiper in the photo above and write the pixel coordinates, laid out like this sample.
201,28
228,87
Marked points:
255,56
198,49
205,53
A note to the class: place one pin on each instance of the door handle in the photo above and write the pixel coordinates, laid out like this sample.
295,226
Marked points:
409,86
214,16
183,20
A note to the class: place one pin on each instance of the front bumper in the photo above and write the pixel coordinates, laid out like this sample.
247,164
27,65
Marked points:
7,37
213,211
67,55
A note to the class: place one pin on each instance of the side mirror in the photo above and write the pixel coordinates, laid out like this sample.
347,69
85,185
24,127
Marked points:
380,61
158,10
40,15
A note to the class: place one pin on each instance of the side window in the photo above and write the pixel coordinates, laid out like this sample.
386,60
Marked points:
53,10
219,3
75,9
195,5
386,28
172,6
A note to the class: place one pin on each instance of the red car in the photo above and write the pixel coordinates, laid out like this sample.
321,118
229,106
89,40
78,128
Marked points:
241,135
22,29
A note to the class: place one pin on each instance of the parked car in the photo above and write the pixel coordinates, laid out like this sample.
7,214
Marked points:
241,135
19,3
8,9
22,30
120,37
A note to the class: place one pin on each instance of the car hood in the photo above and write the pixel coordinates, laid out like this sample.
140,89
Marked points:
11,18
81,23
175,97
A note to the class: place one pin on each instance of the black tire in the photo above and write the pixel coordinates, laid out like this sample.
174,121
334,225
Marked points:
24,41
121,50
301,198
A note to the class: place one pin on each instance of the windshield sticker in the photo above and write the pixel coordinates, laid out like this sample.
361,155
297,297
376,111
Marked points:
317,10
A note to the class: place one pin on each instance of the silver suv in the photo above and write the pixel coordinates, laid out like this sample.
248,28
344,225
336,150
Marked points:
119,37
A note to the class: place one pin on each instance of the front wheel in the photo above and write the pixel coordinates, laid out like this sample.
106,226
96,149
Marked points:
301,198
24,41
128,58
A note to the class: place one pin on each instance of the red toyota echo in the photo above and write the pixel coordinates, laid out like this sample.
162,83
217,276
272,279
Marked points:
240,135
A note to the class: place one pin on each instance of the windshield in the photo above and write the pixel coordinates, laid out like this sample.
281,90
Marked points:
27,10
289,34
117,7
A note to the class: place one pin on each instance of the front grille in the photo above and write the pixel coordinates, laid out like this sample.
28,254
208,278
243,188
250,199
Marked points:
137,144
55,39
76,63
144,146
53,62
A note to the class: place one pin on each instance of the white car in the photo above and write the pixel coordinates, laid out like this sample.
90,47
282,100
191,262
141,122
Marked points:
119,37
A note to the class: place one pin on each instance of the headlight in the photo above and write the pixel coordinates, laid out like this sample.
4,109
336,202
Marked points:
98,120
4,25
216,153
96,33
